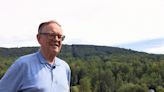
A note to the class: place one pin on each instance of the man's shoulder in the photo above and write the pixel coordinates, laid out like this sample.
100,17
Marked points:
27,57
61,62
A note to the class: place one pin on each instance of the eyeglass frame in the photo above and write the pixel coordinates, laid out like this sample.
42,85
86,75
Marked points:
52,35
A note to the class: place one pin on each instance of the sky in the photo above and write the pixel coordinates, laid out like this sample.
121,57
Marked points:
130,24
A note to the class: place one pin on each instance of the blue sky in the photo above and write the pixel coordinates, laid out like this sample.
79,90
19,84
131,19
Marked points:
131,24
150,46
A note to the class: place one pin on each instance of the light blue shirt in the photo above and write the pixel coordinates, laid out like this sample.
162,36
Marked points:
32,73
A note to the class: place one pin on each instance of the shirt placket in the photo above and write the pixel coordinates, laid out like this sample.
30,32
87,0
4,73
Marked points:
53,80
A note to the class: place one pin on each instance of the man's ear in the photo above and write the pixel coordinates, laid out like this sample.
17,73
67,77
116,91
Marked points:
38,38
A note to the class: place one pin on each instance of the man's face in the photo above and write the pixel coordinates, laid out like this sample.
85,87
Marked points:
50,38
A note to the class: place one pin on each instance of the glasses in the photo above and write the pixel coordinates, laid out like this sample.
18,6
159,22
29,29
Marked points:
53,36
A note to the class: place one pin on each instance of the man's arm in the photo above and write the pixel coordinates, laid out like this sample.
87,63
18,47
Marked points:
11,81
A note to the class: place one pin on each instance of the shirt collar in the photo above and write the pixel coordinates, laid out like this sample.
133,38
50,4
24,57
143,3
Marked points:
44,61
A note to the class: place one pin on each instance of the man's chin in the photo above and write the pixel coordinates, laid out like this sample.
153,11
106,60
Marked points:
55,49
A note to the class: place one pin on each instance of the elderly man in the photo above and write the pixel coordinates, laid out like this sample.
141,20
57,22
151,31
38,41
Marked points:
41,71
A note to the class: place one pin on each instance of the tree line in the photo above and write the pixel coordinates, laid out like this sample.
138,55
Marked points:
101,68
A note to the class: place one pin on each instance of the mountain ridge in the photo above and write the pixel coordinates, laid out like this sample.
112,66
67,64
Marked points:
89,49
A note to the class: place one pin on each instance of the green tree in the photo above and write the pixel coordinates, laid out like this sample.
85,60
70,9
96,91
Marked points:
85,85
129,87
160,89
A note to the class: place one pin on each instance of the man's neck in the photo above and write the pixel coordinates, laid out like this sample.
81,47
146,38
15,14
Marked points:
49,57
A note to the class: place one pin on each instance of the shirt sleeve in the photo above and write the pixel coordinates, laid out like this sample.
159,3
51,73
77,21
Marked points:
11,81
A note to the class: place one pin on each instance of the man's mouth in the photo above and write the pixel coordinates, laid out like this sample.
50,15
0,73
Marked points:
55,45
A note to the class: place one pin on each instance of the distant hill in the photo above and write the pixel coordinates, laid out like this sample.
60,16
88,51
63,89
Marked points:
80,51
14,52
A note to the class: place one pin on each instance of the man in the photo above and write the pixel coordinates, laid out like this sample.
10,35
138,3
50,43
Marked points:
41,71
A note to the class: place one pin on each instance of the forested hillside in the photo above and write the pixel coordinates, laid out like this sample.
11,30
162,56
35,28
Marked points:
101,68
